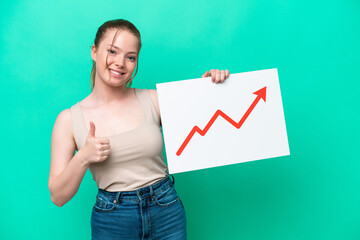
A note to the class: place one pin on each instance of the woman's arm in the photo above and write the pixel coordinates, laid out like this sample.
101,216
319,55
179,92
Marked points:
66,170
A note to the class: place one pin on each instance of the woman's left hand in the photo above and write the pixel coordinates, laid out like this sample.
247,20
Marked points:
217,76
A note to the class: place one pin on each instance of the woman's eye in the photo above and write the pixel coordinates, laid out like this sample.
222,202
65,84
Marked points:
132,58
111,51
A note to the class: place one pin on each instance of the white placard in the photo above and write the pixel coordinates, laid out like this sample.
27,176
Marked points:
241,120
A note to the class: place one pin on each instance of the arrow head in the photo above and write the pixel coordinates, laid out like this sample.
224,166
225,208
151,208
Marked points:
261,93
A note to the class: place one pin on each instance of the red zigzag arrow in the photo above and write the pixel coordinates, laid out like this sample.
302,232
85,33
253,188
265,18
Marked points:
260,94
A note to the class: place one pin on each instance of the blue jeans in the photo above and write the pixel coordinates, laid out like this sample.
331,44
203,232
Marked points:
153,212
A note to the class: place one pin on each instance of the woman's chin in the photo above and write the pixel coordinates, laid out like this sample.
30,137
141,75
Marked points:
116,83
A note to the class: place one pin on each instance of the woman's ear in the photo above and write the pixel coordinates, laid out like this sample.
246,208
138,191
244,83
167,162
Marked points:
93,52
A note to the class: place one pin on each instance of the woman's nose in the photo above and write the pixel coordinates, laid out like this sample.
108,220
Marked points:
120,61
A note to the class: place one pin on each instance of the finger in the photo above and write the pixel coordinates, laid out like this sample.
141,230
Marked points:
92,129
212,74
222,76
218,75
205,74
227,73
104,157
104,147
104,140
105,153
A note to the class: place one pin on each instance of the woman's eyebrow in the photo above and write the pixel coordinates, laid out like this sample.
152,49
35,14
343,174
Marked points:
119,48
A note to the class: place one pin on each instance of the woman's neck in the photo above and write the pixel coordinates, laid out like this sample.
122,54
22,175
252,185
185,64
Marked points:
105,94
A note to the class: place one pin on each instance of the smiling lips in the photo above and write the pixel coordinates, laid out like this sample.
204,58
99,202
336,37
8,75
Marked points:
116,73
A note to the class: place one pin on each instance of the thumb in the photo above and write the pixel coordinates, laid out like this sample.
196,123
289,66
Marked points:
92,129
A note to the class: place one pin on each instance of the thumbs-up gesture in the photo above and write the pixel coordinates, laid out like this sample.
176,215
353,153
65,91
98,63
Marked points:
95,149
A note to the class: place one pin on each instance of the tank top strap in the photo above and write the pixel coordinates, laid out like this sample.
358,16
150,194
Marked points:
147,105
80,131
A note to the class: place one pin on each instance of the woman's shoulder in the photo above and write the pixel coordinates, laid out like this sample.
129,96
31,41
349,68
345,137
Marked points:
153,95
154,99
65,113
151,92
64,117
63,126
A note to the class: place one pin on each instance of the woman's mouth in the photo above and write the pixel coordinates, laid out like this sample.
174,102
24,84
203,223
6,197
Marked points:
116,74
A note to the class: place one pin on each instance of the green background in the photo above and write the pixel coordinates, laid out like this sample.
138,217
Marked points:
311,194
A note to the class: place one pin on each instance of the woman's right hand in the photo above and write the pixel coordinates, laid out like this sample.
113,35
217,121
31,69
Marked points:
95,149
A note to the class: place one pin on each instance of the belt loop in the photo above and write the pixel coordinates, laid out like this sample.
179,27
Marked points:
173,179
118,194
151,191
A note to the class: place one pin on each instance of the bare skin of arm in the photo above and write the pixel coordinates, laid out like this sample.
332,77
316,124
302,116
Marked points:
67,170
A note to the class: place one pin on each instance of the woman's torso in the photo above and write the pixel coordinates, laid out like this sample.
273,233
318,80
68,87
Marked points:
133,129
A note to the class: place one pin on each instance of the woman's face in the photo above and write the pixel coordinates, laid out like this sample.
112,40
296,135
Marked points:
122,57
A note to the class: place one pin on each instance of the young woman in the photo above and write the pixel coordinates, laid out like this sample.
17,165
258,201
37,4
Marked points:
116,132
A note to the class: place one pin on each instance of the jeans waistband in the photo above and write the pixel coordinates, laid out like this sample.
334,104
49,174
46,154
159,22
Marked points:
142,192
